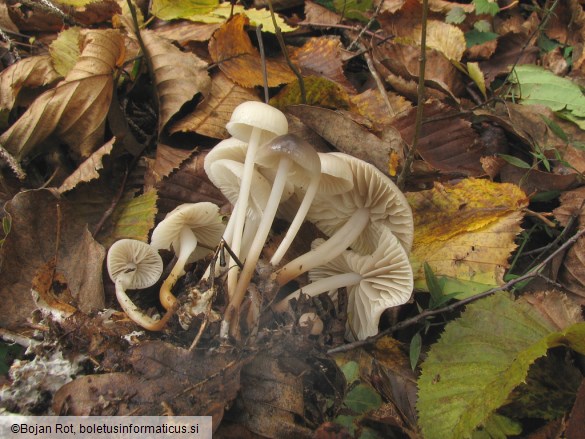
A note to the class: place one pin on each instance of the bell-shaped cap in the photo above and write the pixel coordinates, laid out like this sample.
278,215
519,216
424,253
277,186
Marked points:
139,261
253,114
203,219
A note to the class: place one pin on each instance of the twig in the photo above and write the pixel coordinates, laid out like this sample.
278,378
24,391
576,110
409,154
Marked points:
12,163
47,6
263,62
379,83
285,53
11,45
346,27
420,98
535,272
354,43
224,245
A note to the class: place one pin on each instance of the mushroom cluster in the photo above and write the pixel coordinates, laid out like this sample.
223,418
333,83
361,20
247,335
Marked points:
266,172
366,217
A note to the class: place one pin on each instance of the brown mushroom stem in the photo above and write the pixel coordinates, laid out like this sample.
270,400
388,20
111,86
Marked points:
188,245
259,238
320,286
330,249
134,313
297,220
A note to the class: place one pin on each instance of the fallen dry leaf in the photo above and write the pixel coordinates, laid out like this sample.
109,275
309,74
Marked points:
349,137
167,160
184,32
572,272
33,72
76,109
211,116
179,76
448,144
50,291
322,57
556,307
233,51
465,232
88,170
371,104
44,227
318,91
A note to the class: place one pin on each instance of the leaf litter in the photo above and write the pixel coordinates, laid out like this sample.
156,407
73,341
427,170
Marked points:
106,141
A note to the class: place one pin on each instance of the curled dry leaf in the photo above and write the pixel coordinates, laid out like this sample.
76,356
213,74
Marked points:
179,76
572,204
75,110
212,115
448,144
556,307
33,72
572,272
465,232
233,51
349,137
88,170
44,227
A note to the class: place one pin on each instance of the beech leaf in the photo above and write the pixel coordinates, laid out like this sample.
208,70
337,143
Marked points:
173,9
257,17
65,50
465,232
76,109
231,48
479,359
179,76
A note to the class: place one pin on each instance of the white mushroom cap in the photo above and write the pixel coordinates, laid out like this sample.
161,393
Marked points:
385,280
231,149
204,221
373,191
253,114
139,261
336,175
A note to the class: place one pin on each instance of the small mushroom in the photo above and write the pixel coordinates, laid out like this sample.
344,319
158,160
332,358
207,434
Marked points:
255,123
350,218
375,282
192,231
133,265
311,322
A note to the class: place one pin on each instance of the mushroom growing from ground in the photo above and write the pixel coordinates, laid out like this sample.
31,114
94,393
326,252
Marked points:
134,265
192,231
350,218
375,282
255,123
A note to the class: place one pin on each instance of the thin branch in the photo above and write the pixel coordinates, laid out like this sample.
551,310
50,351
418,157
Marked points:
346,27
285,53
433,312
379,84
420,98
369,24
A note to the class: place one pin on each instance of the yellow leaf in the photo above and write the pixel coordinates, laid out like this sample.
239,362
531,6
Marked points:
256,16
443,37
476,74
466,232
65,50
319,91
173,9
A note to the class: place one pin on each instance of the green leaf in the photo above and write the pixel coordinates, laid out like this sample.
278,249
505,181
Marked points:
476,74
174,9
498,427
415,346
362,398
519,163
353,9
351,371
486,7
482,26
65,50
480,358
545,196
432,284
555,128
455,16
319,91
475,37
535,85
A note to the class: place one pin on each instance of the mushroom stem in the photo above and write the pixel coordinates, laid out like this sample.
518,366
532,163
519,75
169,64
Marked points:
260,237
133,312
297,221
320,286
242,204
188,243
330,249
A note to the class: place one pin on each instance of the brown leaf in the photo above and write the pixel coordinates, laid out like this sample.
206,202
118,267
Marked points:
347,136
33,72
75,110
44,227
572,203
166,161
315,13
88,170
556,307
447,144
371,105
577,416
184,32
572,272
179,76
322,57
212,115
50,290
231,48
